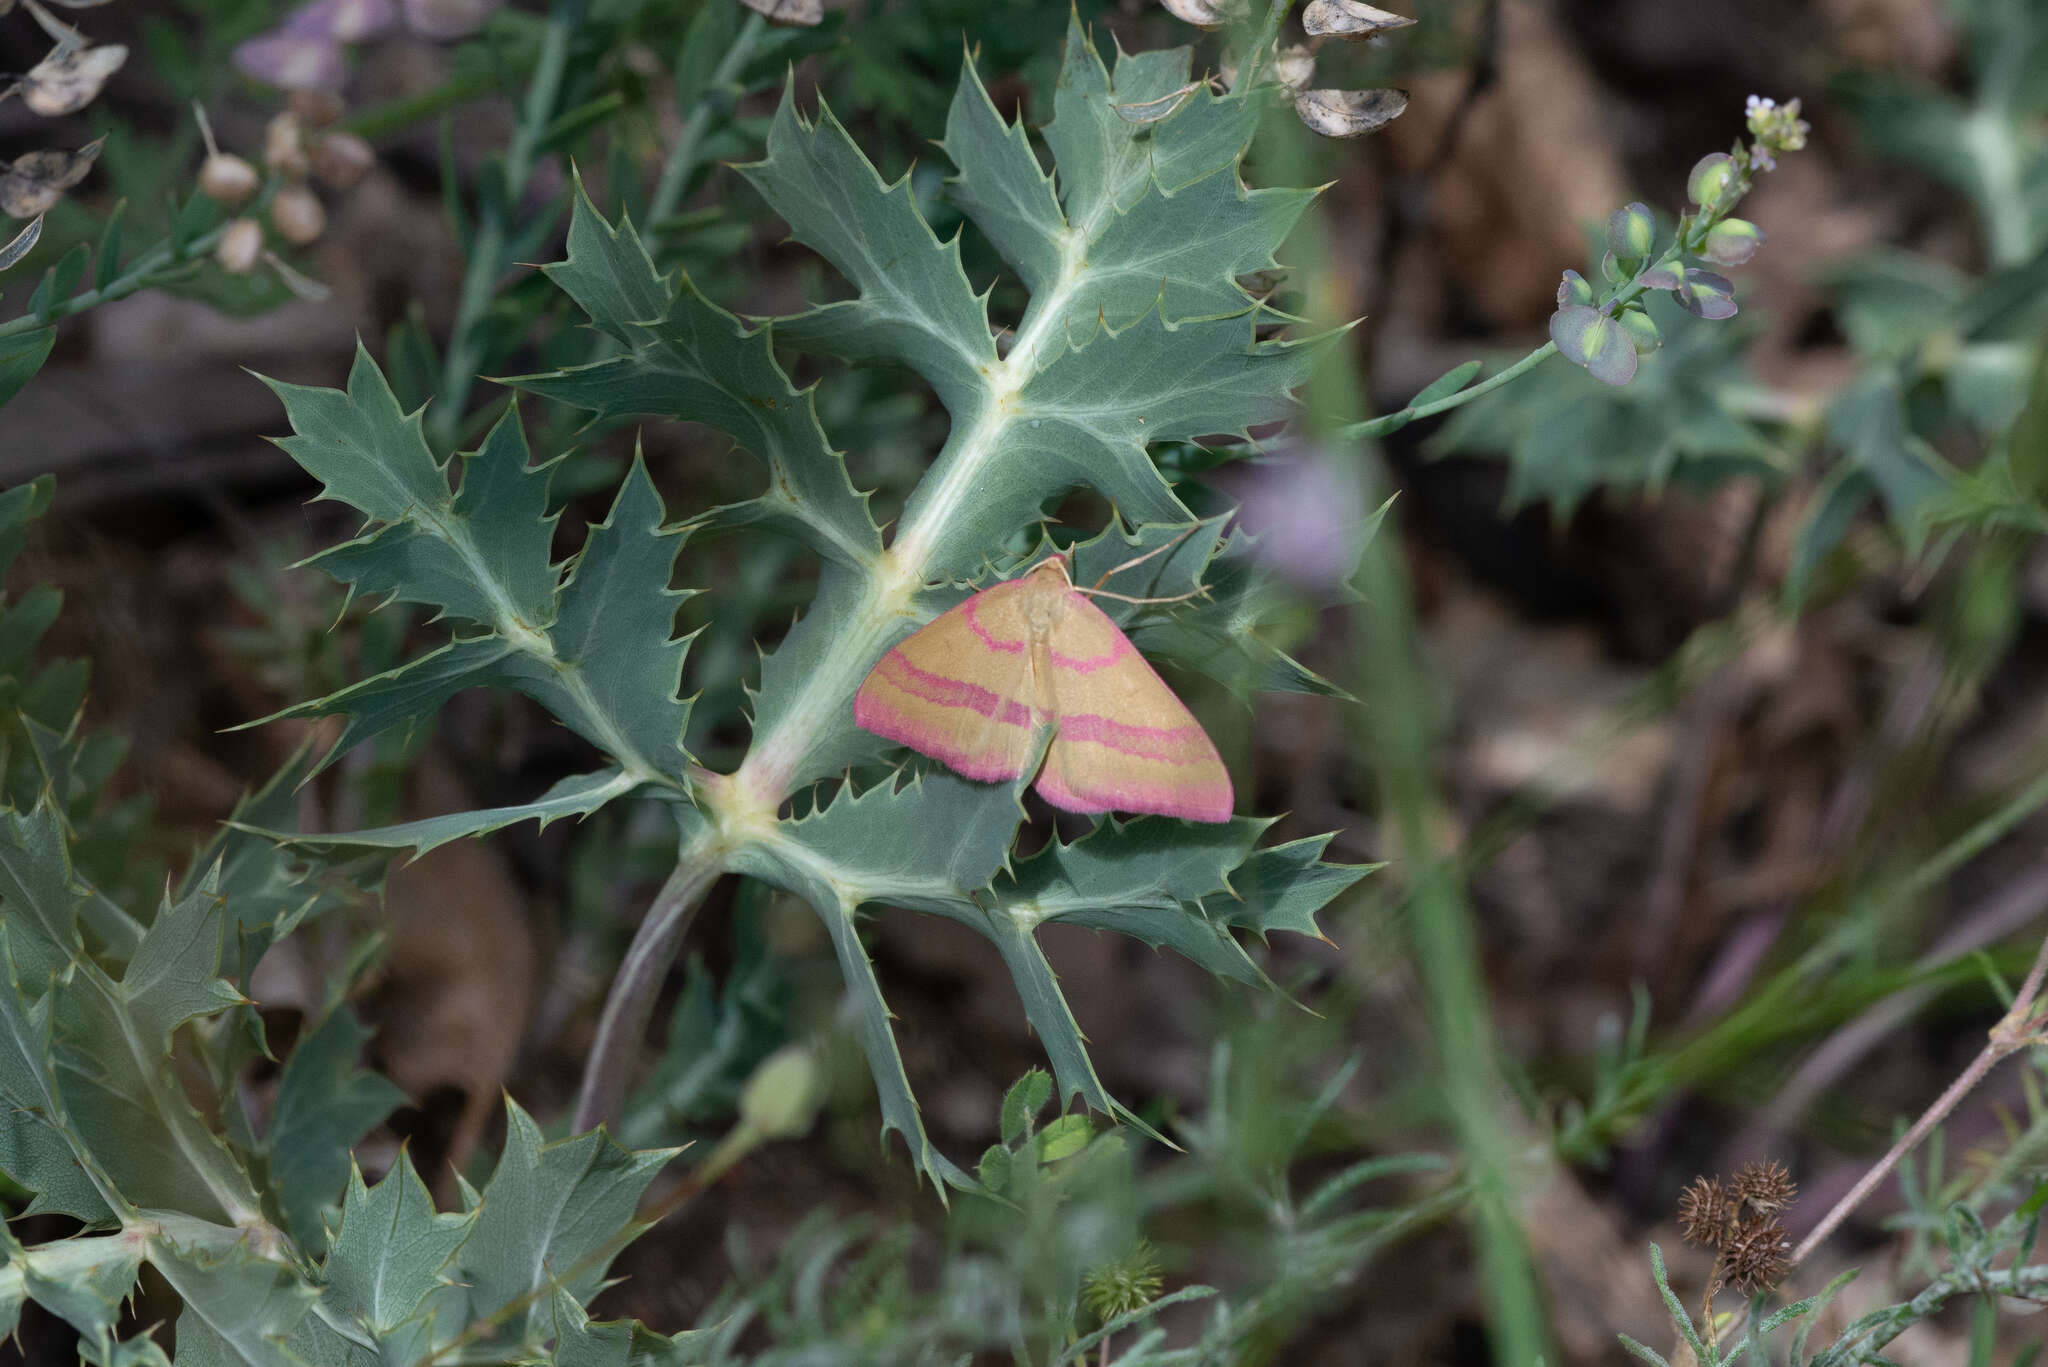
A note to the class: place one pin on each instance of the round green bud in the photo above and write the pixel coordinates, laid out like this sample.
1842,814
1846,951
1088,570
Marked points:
1574,289
781,1099
1710,177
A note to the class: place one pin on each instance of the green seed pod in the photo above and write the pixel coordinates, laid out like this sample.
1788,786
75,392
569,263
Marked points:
1642,330
1710,177
1732,241
1574,289
1632,232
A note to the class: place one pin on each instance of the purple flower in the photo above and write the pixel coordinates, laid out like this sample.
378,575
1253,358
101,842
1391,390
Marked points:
1307,513
445,19
293,61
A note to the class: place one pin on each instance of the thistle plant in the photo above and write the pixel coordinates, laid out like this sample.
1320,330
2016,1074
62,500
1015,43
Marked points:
1137,333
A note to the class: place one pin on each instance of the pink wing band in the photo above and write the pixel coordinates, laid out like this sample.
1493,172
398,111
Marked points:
1208,802
879,714
1079,664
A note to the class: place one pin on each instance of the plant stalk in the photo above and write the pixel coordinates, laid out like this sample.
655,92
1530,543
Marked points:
487,251
631,999
682,158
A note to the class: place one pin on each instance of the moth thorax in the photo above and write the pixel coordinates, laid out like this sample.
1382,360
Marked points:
1045,598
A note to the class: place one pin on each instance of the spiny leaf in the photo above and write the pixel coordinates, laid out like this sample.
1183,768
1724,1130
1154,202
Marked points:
240,1309
325,1104
481,554
924,844
613,637
577,795
387,1265
915,306
691,359
40,1145
550,1217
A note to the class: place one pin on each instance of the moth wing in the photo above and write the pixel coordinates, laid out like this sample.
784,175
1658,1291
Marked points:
960,688
1124,742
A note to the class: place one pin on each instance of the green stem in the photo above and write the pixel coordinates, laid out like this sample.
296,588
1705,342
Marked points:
682,158
487,251
393,116
1401,417
160,265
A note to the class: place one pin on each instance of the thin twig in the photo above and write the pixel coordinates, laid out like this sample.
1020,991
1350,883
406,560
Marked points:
2017,1029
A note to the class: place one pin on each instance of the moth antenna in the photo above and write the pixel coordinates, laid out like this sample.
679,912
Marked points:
1201,592
1133,563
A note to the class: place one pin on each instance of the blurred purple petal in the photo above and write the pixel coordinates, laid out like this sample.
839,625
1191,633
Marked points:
446,19
1307,513
344,21
293,61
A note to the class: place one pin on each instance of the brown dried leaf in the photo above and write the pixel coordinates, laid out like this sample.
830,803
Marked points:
69,79
38,180
1349,113
1211,14
1349,20
789,13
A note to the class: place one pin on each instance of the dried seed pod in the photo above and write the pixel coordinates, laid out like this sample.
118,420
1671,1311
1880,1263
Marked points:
227,179
341,159
1705,1212
69,79
1758,1256
240,246
1210,14
284,146
38,180
296,214
1349,113
1294,66
24,241
315,108
789,13
1349,20
1766,1187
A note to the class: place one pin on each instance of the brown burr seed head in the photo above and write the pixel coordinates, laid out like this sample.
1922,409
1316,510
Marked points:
297,215
1704,1209
1765,1186
1758,1257
240,246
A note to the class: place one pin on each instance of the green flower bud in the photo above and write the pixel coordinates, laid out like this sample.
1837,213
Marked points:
1632,232
781,1099
1732,241
1642,330
1611,268
1710,177
1574,289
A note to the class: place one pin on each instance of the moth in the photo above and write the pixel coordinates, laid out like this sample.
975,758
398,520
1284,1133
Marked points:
977,688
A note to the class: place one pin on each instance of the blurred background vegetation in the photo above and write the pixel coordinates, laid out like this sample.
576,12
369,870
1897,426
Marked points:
1702,721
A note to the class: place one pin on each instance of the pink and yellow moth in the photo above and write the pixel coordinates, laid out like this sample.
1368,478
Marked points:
977,686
